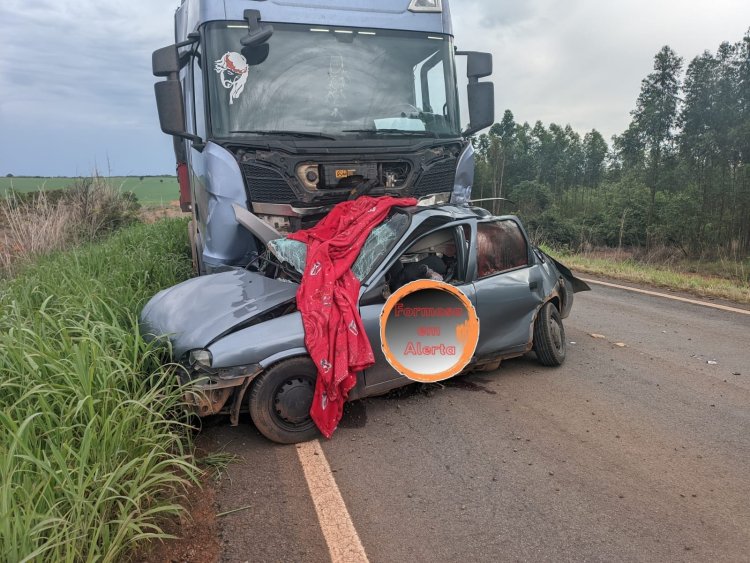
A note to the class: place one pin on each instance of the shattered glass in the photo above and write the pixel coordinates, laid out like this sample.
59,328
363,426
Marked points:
291,252
378,244
373,252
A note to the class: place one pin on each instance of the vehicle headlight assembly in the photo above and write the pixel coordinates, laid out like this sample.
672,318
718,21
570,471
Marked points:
200,358
309,175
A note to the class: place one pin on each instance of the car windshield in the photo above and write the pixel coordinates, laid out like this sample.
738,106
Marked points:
375,249
309,82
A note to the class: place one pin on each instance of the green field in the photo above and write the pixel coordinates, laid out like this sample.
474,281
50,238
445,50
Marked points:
149,191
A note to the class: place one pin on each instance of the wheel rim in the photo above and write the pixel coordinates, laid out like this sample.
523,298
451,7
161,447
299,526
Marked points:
555,331
291,402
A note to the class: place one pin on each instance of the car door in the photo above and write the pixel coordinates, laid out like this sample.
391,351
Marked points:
508,286
381,376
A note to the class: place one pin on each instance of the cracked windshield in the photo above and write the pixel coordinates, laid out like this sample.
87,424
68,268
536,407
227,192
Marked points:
374,82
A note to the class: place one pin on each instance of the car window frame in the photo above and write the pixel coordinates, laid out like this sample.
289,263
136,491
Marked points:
373,286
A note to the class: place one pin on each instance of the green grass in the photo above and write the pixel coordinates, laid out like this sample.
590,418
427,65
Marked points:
149,191
731,286
92,449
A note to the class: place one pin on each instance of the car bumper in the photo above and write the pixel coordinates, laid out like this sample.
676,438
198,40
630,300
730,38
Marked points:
208,392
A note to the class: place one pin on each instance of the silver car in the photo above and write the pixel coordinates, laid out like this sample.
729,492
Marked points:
240,337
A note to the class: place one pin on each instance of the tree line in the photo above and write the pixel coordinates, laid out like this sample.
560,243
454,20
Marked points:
678,176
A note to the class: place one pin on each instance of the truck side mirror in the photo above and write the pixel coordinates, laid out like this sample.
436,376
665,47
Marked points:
481,94
171,107
169,102
478,65
481,106
165,61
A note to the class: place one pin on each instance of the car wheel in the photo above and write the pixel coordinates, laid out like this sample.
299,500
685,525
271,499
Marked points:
549,336
280,401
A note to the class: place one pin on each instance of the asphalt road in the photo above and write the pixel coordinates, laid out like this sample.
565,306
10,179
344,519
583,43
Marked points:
638,452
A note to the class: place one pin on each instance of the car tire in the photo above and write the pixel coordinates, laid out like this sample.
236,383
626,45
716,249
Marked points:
549,336
280,401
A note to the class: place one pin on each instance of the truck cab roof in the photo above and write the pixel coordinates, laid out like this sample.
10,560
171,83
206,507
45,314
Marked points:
379,14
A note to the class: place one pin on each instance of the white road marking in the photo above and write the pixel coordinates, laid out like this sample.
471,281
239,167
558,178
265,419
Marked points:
673,297
343,541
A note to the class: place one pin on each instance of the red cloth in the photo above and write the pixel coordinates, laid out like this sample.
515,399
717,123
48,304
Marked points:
328,300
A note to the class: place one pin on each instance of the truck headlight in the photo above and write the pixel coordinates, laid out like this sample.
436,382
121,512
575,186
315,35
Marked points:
200,358
309,175
426,6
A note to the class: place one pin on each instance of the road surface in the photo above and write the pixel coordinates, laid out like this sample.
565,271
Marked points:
637,449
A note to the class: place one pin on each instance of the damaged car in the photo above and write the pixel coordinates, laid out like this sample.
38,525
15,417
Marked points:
240,338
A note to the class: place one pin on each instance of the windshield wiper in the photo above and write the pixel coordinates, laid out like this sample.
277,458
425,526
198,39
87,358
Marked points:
300,134
394,132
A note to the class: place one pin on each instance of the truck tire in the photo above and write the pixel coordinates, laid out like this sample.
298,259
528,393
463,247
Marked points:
549,336
280,401
193,238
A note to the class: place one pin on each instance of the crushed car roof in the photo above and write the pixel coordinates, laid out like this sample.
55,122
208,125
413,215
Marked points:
455,211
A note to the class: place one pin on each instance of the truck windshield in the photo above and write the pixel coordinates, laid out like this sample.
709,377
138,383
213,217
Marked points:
309,82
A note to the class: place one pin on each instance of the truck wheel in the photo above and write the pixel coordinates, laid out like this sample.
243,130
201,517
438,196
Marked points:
549,336
192,236
193,251
280,401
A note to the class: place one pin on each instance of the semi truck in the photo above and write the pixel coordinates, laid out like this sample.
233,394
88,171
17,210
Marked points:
287,107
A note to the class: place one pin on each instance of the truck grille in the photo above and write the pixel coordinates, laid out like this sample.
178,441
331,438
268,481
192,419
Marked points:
266,185
438,179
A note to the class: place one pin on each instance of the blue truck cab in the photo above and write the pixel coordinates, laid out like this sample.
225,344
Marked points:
287,107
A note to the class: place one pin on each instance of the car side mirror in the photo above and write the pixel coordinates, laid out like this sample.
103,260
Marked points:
481,94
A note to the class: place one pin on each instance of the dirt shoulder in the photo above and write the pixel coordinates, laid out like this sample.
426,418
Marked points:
195,534
153,213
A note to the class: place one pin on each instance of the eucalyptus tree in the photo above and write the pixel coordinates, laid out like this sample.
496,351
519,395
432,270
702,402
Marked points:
655,115
595,151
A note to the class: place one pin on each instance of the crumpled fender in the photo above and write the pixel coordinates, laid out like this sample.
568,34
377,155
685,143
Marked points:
577,284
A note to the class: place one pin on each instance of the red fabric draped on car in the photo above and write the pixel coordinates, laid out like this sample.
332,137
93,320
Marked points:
327,300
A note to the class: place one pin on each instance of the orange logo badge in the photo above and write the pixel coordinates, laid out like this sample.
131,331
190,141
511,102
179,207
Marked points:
429,331
345,173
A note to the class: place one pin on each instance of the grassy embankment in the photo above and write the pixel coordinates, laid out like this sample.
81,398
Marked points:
717,279
92,449
151,191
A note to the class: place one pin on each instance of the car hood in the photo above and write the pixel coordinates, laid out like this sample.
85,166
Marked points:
195,313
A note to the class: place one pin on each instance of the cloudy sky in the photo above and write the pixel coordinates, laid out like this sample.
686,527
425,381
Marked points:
76,90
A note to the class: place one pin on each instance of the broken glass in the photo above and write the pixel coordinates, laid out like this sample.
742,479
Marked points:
291,252
376,247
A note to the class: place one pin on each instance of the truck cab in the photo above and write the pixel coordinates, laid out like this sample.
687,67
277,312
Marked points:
287,108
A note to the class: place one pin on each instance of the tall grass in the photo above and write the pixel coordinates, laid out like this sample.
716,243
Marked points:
36,223
92,449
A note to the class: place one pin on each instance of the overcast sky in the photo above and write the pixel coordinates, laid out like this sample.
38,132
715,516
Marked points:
76,90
